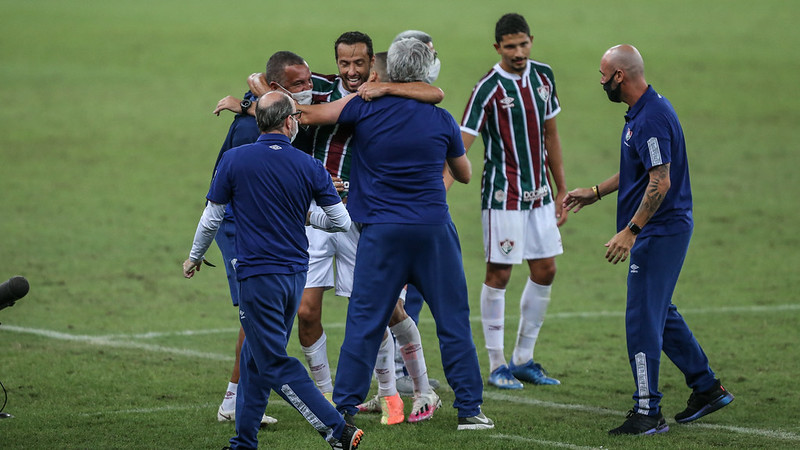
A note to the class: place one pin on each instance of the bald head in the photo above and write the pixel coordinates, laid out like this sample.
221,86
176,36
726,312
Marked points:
625,57
272,110
622,74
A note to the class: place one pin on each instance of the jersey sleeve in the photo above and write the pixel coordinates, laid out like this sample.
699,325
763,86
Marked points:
351,111
456,145
654,143
324,192
221,188
553,104
478,108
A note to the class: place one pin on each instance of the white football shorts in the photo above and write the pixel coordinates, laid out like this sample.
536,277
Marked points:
323,249
510,237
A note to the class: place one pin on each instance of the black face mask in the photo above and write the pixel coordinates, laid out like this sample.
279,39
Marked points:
614,94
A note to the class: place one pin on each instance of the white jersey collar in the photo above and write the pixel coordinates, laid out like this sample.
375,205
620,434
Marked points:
512,76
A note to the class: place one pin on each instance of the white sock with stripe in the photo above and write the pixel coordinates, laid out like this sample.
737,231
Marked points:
493,302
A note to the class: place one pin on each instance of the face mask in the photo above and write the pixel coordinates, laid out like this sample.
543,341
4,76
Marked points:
302,97
433,73
295,130
614,94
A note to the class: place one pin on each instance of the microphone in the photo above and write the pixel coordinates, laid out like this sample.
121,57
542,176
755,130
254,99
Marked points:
12,290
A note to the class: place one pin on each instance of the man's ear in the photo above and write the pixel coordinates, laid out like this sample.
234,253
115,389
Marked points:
373,76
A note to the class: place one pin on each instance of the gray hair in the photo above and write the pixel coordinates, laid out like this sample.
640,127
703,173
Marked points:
271,114
409,59
416,34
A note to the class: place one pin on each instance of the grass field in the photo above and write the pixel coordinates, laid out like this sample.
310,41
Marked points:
107,142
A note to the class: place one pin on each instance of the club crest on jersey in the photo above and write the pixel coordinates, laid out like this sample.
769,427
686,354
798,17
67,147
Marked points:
507,102
629,134
544,92
275,147
506,246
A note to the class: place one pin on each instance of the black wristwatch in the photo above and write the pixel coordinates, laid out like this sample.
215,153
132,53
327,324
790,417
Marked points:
635,229
245,105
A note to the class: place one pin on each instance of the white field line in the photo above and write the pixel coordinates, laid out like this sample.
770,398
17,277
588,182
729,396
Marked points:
784,435
475,319
548,444
108,342
112,341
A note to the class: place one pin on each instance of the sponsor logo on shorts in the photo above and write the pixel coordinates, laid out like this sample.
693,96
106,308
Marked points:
506,246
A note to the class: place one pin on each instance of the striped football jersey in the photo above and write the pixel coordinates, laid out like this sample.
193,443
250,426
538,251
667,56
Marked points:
331,142
509,112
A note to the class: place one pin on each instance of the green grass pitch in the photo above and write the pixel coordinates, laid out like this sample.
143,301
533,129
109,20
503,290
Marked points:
107,143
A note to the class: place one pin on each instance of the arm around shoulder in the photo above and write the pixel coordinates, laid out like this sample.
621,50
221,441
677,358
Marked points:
323,113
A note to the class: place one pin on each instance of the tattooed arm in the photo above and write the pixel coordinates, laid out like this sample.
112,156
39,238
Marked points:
620,245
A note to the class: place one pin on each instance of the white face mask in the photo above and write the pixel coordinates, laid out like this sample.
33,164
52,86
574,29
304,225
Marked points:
433,73
295,130
302,97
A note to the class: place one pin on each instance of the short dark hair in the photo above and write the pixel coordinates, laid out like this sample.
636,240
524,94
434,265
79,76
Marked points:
270,117
511,23
277,63
380,66
352,38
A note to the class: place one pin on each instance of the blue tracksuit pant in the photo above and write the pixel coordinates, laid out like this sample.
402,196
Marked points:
226,241
653,324
267,307
429,257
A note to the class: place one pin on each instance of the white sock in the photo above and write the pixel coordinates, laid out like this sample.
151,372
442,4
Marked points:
317,360
229,402
532,306
410,342
399,364
384,366
493,302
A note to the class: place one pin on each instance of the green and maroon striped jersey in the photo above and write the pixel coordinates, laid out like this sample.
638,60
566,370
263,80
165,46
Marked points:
509,112
331,143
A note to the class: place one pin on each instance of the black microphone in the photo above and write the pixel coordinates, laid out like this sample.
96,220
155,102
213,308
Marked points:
12,290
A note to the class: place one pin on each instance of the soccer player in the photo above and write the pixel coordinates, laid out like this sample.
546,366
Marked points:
332,145
407,235
286,71
514,109
270,186
654,226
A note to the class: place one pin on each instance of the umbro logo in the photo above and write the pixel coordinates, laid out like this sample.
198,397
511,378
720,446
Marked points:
276,147
507,102
634,268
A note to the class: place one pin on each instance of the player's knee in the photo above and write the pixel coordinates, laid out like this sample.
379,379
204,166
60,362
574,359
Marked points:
544,274
308,316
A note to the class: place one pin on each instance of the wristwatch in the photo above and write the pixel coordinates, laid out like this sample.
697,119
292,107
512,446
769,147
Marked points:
245,105
635,229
